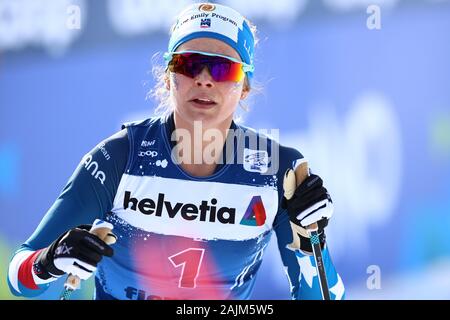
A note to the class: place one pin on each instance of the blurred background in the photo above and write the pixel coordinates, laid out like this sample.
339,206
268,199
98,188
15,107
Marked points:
361,88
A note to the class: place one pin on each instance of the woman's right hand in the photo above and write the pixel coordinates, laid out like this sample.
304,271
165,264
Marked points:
76,252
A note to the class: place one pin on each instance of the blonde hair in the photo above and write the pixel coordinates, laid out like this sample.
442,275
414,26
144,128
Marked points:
162,95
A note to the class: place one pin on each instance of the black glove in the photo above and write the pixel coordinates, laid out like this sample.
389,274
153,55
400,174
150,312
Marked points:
75,252
310,204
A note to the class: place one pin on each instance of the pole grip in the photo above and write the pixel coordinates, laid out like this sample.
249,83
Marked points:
102,230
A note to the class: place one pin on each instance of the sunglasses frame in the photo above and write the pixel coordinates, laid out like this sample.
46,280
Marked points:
245,67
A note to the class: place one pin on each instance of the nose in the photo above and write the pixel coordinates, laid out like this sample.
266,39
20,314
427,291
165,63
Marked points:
204,79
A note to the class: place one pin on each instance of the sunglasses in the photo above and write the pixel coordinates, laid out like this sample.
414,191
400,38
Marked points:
222,68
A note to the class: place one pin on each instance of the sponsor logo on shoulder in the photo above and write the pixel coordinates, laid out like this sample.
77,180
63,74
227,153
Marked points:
104,151
147,143
161,163
147,153
92,167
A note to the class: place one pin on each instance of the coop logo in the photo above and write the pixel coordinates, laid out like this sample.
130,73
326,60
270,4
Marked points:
148,153
92,167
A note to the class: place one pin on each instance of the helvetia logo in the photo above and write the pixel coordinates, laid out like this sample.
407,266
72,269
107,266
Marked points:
255,215
207,211
187,211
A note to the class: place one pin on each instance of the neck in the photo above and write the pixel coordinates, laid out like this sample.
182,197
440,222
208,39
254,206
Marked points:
199,144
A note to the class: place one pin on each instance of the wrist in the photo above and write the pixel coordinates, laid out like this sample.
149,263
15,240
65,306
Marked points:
305,242
43,266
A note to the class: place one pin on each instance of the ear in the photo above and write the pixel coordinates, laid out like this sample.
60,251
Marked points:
167,82
245,92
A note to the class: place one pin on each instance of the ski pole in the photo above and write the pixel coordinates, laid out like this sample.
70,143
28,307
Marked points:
292,181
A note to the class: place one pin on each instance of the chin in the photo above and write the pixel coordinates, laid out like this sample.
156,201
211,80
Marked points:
211,117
